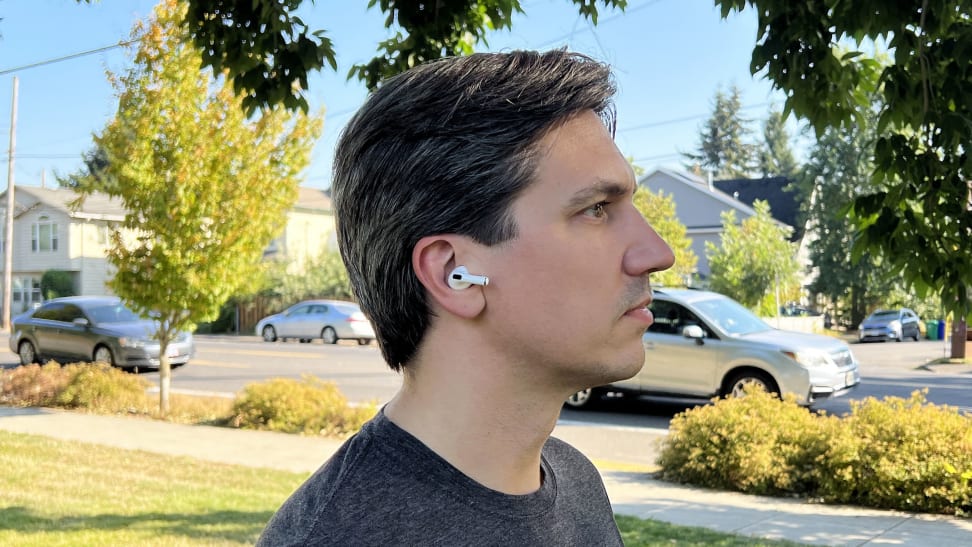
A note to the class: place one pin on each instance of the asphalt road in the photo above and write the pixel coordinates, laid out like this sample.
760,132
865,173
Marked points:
626,430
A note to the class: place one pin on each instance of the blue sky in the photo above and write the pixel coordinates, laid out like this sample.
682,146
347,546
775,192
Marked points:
669,57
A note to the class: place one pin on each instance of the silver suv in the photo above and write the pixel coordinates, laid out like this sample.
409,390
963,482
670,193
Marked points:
704,345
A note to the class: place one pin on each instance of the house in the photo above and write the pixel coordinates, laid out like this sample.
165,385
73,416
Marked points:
48,234
309,230
699,205
776,191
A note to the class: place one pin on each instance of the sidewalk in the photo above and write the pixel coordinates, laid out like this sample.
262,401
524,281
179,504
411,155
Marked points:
632,493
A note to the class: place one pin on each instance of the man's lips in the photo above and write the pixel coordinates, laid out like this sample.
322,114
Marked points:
641,312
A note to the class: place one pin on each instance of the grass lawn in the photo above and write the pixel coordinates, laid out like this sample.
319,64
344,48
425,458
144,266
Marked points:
69,493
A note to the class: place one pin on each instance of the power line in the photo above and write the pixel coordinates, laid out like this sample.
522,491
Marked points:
66,57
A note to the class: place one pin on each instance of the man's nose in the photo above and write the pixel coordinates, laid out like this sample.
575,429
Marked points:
648,252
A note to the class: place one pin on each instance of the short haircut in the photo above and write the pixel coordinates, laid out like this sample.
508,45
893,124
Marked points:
445,148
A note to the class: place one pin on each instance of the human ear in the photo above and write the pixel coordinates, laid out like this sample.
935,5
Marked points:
435,259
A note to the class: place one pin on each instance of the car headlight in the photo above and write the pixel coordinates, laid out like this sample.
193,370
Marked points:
895,325
127,342
810,358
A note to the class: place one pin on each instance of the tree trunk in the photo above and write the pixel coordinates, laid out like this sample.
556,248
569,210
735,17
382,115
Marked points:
958,338
165,377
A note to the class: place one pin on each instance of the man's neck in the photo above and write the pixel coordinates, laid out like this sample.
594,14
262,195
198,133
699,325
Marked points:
477,422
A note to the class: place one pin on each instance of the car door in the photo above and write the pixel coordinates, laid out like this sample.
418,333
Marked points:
76,341
297,324
44,327
909,325
675,364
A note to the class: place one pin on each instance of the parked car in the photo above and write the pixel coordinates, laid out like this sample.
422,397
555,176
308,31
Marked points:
890,325
703,345
329,320
93,328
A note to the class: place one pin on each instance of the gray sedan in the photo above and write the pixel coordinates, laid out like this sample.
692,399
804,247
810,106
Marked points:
93,328
329,320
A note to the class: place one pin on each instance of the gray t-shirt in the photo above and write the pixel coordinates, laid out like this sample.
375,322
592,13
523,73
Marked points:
384,487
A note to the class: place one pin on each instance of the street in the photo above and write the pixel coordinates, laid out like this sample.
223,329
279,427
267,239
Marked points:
623,431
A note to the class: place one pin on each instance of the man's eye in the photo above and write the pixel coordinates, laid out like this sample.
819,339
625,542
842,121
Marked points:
597,210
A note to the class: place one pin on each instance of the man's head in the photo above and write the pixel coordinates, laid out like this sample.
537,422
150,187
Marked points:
446,148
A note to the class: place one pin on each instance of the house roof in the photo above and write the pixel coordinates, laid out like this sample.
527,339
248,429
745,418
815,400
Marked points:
313,199
96,205
783,201
101,206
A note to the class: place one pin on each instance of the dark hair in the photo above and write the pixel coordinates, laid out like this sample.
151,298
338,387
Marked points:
445,148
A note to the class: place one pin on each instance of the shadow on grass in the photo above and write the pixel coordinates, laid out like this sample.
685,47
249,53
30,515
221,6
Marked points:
236,526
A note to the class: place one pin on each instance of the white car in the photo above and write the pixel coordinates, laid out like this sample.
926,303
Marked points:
704,345
329,320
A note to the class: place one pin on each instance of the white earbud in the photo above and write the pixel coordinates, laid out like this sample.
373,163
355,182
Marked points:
460,278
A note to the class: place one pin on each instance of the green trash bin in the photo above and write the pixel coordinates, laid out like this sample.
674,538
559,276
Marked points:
931,329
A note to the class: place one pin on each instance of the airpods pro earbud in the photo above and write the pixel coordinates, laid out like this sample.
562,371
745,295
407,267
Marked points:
460,278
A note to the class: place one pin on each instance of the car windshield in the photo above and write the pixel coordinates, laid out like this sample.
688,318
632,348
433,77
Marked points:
115,313
884,315
731,316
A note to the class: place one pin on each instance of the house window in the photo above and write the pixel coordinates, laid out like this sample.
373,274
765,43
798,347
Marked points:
43,235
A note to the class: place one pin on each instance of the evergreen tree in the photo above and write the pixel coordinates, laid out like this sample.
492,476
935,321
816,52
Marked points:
724,149
776,156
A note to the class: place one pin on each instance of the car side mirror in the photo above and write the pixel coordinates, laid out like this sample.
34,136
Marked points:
81,322
695,332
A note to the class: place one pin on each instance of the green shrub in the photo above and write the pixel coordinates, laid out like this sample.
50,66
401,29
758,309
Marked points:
894,453
310,406
32,385
756,444
909,455
57,283
98,387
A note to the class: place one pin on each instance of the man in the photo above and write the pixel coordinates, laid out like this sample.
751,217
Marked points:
485,217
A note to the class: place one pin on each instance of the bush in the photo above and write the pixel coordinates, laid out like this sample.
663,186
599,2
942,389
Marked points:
893,454
909,455
32,385
756,444
57,283
309,406
100,388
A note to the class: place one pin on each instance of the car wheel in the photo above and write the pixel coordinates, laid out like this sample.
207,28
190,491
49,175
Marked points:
740,382
584,399
269,334
329,335
27,353
103,355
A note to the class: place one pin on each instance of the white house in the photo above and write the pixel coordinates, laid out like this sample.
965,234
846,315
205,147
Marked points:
48,234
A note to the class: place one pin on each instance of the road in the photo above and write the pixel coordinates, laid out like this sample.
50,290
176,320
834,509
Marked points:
627,431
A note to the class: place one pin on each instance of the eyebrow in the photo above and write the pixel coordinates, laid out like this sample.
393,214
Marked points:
598,190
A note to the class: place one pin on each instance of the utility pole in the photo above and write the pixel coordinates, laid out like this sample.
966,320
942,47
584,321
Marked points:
9,216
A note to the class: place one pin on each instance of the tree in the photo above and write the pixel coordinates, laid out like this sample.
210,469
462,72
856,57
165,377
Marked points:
93,175
837,171
206,189
659,210
267,51
754,259
322,276
723,149
776,155
916,213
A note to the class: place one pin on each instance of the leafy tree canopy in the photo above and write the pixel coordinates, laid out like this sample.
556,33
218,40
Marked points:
206,188
659,210
754,260
917,212
267,51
